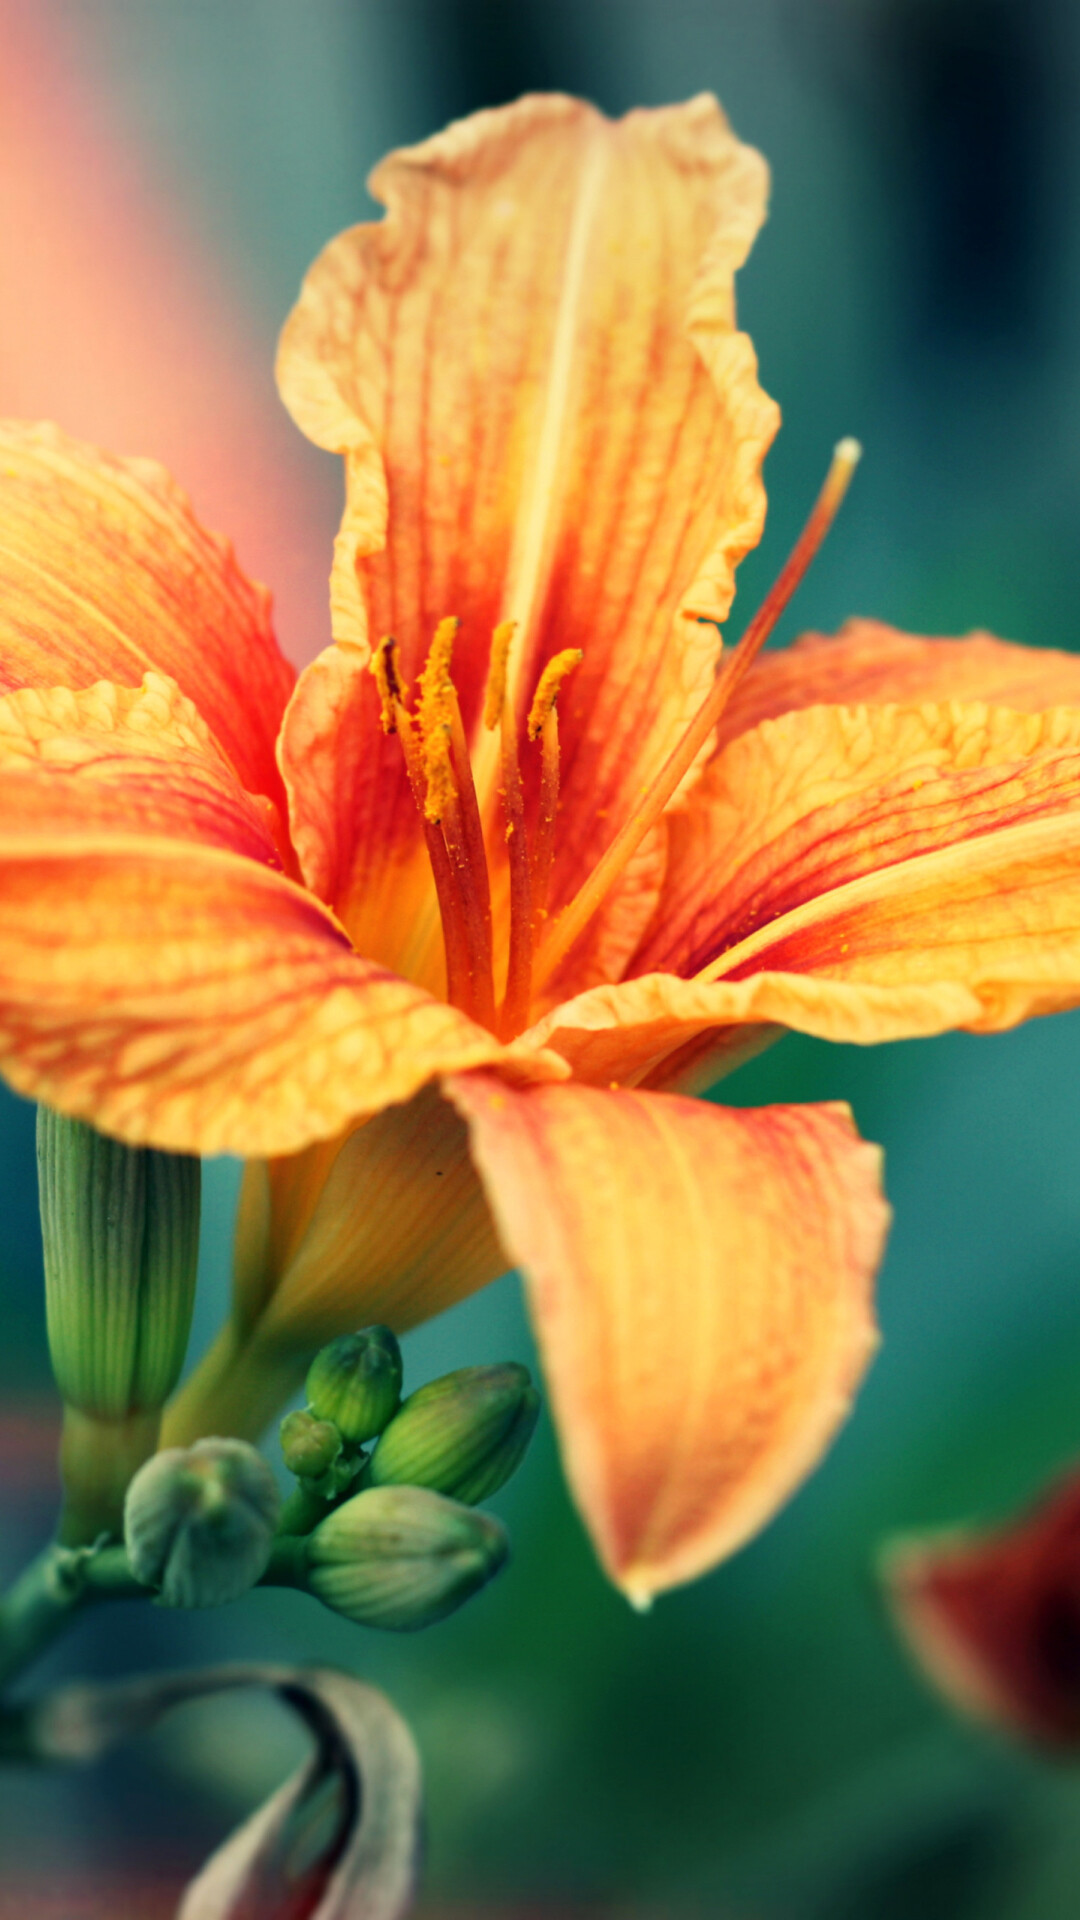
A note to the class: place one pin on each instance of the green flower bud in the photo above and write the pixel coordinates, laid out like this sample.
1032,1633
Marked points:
199,1522
356,1382
463,1435
401,1557
120,1228
309,1446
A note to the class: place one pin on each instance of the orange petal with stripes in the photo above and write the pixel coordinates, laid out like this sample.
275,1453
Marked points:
105,572
159,974
700,1283
863,874
869,661
546,413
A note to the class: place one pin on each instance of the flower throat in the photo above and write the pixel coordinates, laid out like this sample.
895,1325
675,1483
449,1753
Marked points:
436,752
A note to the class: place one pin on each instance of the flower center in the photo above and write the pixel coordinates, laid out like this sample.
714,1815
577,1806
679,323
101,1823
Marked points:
440,773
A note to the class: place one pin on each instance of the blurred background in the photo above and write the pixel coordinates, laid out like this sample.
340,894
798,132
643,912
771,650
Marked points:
757,1746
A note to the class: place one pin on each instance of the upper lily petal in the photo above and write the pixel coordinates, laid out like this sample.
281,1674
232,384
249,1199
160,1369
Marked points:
546,414
105,572
699,1280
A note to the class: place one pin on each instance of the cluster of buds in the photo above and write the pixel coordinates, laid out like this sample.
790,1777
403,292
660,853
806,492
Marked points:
386,1534
381,1524
388,1537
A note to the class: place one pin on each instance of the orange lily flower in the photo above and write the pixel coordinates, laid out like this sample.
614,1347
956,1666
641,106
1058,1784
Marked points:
440,936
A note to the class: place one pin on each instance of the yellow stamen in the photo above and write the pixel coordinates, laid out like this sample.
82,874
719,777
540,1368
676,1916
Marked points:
612,864
392,689
499,661
549,687
451,912
435,718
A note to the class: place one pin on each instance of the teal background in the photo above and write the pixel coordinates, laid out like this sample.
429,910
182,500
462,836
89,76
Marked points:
758,1745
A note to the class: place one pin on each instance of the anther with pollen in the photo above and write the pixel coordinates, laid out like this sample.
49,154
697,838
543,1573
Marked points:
437,760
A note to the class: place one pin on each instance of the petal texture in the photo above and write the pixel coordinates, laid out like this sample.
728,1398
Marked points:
997,916
864,874
685,1034
184,997
546,414
818,798
104,572
700,1282
396,1230
129,761
868,661
981,935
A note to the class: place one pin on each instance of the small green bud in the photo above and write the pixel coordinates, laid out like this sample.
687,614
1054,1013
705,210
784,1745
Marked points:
199,1522
309,1446
463,1435
120,1227
401,1557
356,1382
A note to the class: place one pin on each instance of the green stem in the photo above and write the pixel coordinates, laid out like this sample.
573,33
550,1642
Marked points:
303,1510
97,1461
288,1562
60,1582
49,1592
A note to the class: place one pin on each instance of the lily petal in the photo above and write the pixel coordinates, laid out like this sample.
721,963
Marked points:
188,998
394,1229
816,799
104,572
880,873
869,661
700,1283
980,935
127,760
532,371
684,1035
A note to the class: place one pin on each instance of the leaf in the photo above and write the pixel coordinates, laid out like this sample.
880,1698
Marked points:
339,1841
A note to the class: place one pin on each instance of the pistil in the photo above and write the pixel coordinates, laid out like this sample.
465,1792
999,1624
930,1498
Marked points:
514,1012
572,922
543,725
451,804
